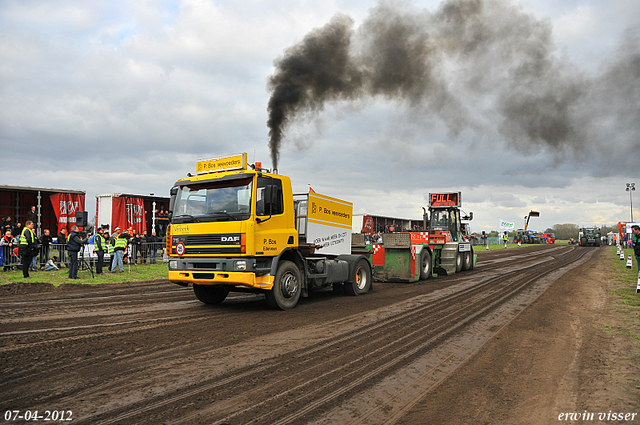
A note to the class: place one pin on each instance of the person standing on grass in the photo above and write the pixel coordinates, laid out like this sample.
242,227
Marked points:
62,245
100,246
118,252
635,238
28,247
111,247
153,247
46,241
74,245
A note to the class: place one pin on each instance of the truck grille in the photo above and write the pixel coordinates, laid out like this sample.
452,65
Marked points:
229,239
190,251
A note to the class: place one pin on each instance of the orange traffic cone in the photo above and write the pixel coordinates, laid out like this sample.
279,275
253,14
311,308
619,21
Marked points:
629,262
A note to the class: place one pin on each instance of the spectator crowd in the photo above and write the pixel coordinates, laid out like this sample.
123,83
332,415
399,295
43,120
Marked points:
21,249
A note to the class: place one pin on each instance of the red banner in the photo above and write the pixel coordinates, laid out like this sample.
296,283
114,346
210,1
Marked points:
128,212
367,225
65,205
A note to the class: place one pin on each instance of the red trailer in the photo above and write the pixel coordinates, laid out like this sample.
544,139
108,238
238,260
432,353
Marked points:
55,208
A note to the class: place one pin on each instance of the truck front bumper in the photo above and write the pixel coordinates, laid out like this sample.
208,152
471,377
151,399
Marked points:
247,279
208,271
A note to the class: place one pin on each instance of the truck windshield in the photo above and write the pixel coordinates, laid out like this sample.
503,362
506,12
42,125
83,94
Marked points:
230,201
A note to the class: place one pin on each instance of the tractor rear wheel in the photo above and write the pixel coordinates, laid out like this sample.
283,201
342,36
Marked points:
426,265
458,261
467,261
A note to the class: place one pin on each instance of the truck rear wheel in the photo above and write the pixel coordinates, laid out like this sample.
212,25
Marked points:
286,288
360,280
210,294
426,266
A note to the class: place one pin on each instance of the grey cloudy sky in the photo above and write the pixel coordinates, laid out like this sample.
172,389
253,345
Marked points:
520,105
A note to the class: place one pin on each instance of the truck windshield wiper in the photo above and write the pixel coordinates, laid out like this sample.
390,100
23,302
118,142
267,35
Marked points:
224,213
187,216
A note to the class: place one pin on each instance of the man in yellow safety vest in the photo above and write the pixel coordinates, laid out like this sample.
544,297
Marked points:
118,251
28,248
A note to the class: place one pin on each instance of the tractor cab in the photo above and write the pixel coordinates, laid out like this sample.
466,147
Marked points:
444,215
445,220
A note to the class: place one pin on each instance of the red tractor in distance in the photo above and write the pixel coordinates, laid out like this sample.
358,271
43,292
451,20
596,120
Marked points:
548,238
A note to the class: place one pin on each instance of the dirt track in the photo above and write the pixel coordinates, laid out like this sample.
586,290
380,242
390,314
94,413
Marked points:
152,353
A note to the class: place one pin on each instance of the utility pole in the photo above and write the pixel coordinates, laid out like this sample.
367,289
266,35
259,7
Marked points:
630,188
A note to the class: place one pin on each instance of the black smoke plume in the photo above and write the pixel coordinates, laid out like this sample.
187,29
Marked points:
470,61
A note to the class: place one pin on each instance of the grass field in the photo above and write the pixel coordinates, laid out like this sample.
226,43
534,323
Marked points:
140,272
624,282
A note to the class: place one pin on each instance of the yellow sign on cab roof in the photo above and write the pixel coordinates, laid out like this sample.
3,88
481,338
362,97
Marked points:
226,163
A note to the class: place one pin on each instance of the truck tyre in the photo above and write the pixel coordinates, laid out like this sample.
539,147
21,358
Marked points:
210,294
459,261
467,261
426,265
286,287
360,282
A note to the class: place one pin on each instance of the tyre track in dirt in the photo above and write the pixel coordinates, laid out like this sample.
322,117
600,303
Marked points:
319,369
416,330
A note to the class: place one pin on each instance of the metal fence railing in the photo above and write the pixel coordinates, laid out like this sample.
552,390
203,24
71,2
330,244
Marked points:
143,253
492,240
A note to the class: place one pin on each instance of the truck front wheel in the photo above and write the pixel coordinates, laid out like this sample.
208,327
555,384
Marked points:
361,280
286,288
209,294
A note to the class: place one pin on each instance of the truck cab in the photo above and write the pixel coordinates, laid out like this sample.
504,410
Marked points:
233,228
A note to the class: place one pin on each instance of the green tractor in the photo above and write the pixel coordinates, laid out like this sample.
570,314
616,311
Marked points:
589,236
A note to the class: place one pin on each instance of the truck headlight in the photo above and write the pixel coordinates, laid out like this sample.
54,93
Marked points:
173,264
240,265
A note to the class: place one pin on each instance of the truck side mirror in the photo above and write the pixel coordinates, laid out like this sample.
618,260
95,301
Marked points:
173,192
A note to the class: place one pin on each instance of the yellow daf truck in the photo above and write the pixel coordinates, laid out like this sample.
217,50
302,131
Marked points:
239,227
